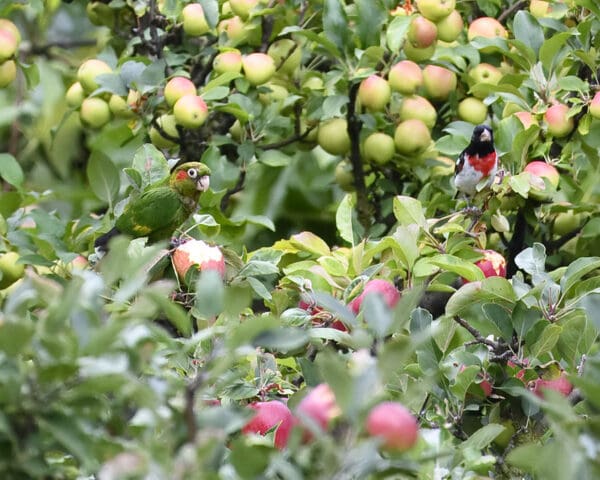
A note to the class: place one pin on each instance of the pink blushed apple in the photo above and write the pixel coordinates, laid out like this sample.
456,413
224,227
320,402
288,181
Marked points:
374,93
394,424
190,111
199,255
258,68
405,77
558,122
176,88
385,289
269,415
320,406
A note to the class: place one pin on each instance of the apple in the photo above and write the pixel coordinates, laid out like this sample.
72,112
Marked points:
230,61
194,20
394,424
236,30
486,27
483,73
8,44
374,93
418,54
176,88
526,118
242,7
88,71
436,10
344,176
493,264
287,55
549,175
450,27
119,107
313,82
75,95
566,222
405,77
6,24
472,110
419,108
503,438
412,137
484,384
439,82
10,269
269,415
421,33
258,68
594,107
200,255
539,8
169,126
557,120
381,287
333,137
276,94
190,111
134,99
379,148
320,406
560,385
8,72
94,112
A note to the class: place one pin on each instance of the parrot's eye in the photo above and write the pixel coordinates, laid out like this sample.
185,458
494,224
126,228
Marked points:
192,173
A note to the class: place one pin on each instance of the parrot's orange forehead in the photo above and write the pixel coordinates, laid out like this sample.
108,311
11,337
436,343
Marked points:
182,175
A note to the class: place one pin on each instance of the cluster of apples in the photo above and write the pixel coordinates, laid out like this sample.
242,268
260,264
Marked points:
390,422
10,38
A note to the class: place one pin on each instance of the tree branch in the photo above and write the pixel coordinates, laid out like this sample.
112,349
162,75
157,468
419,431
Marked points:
473,331
510,10
190,398
238,187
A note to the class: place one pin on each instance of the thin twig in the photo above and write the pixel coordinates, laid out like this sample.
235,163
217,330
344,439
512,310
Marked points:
473,331
510,10
238,187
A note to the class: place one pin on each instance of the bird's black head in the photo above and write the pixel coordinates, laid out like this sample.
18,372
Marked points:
482,134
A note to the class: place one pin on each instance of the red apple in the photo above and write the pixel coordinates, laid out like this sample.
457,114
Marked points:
374,93
472,110
198,254
379,148
492,264
439,82
6,24
422,33
381,287
287,55
176,88
450,28
416,107
560,385
8,72
258,68
394,424
526,118
94,112
594,107
269,415
436,10
548,173
75,95
190,111
230,61
89,70
486,27
405,77
558,122
194,20
320,406
333,136
8,44
412,137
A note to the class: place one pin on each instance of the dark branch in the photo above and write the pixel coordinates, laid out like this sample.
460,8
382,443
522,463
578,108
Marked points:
238,187
510,10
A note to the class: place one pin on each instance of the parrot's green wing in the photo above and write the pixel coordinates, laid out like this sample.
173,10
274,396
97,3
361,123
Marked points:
154,214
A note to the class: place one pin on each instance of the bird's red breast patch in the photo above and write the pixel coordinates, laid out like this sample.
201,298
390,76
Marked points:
182,175
484,164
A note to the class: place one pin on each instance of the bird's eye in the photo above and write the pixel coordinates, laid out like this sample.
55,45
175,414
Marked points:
192,173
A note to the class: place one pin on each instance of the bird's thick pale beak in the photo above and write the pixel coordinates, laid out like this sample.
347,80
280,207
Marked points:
485,136
203,183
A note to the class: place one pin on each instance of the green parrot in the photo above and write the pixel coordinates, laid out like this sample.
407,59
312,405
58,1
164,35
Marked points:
162,207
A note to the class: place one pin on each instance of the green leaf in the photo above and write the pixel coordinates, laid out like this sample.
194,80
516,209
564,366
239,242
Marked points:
409,211
528,30
457,265
210,293
533,259
576,271
371,14
396,32
274,158
546,341
151,164
309,242
343,218
335,25
283,339
549,51
483,437
103,177
14,337
68,432
211,11
10,170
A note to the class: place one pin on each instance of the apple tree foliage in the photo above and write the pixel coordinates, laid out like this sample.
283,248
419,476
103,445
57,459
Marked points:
116,368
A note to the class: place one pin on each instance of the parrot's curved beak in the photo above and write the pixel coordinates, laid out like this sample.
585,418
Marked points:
203,183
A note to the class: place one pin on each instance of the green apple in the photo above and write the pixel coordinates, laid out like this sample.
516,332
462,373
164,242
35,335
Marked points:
287,55
75,95
6,24
594,107
548,173
236,30
449,28
418,54
176,88
10,269
276,94
436,10
194,21
422,33
8,44
242,7
94,112
483,73
119,107
230,61
333,136
439,82
344,176
88,71
379,148
374,93
258,68
486,27
412,137
169,126
313,82
558,122
190,111
419,108
236,131
539,8
405,77
472,110
8,72
566,222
